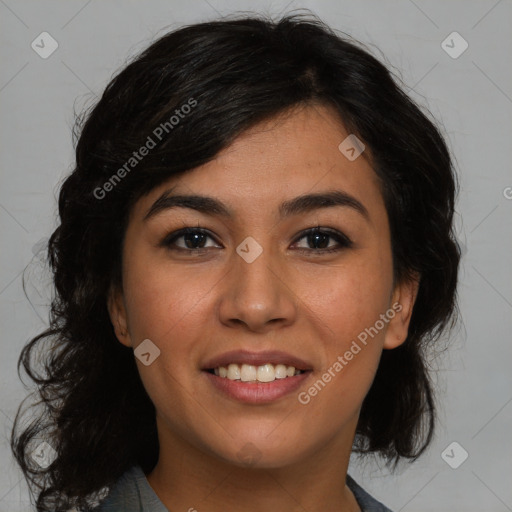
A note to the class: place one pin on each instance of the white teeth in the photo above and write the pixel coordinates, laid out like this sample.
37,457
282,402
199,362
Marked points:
233,372
281,371
266,373
249,373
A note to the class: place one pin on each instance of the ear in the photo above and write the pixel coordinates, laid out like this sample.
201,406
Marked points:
402,303
117,313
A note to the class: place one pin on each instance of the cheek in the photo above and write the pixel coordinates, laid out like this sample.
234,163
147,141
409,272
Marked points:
349,297
165,306
347,302
160,298
347,310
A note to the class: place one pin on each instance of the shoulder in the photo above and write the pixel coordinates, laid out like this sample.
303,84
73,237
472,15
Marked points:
123,495
131,493
364,500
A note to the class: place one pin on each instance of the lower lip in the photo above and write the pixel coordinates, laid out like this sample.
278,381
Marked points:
257,392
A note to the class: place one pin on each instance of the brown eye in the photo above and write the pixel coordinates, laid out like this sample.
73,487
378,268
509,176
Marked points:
320,239
194,239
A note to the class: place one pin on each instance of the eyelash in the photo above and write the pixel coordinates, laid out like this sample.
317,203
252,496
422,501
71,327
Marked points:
343,240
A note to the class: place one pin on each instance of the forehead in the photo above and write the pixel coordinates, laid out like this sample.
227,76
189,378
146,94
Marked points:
292,154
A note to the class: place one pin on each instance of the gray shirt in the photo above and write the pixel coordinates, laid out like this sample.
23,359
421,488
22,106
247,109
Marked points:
132,493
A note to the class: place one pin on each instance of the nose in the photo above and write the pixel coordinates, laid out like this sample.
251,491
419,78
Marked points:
257,294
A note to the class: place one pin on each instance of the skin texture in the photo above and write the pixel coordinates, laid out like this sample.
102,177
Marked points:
195,306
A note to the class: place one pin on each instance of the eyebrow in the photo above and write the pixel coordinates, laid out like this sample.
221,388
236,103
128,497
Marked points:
301,204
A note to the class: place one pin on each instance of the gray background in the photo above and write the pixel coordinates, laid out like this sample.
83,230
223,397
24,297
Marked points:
469,95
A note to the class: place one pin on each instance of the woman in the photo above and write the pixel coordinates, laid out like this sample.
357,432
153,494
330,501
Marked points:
255,251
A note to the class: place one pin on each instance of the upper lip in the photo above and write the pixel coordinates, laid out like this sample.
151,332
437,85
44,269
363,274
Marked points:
256,359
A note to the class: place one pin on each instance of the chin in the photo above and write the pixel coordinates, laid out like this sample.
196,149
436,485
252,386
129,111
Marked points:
261,451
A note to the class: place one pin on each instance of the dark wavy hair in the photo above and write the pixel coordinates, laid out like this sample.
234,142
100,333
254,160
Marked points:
238,72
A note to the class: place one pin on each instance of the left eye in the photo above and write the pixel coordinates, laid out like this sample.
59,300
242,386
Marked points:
319,239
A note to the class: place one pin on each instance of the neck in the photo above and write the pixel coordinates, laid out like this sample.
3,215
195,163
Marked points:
186,478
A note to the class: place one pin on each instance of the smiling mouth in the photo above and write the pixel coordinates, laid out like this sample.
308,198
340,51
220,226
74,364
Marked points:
255,374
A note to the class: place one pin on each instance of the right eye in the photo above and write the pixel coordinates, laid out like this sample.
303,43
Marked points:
193,240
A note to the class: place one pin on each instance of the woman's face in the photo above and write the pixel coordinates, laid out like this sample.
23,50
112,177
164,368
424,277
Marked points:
254,289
